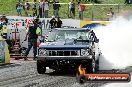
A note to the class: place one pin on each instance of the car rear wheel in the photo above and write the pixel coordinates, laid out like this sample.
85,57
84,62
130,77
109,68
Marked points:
41,68
97,65
90,66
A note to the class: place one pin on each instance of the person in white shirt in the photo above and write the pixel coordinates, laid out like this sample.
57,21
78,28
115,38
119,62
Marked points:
110,15
46,8
26,7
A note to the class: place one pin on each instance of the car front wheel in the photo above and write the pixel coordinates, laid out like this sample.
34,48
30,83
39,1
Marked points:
41,68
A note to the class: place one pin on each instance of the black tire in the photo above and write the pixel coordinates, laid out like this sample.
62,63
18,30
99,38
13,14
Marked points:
97,65
81,79
97,62
41,68
90,67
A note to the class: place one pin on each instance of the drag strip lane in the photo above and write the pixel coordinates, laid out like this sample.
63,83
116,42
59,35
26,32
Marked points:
25,75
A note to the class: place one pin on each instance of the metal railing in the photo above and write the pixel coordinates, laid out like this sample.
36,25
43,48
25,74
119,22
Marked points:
102,9
92,11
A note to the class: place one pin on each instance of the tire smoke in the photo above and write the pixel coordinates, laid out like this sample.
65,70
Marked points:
115,42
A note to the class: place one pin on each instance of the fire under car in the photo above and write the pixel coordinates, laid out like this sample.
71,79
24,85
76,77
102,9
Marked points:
67,48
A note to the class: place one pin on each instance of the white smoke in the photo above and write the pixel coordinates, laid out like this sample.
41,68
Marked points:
116,44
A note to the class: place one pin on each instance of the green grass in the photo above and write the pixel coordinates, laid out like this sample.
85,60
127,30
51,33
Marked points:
96,12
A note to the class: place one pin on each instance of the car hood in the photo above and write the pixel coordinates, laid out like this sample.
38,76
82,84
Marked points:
67,44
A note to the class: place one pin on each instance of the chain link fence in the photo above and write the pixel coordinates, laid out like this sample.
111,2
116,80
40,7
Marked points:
92,11
99,11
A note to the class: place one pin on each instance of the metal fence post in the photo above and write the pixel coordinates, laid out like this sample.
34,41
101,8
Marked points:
68,10
118,8
43,10
92,13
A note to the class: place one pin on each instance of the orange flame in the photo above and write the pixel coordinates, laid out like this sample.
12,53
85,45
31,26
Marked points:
81,70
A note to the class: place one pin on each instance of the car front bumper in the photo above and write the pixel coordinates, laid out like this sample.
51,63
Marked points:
62,57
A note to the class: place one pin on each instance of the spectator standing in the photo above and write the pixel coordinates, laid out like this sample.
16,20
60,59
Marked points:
72,9
81,8
128,1
26,7
110,14
93,1
58,23
53,22
41,9
3,26
4,31
56,7
5,20
33,33
34,8
18,7
1,23
46,8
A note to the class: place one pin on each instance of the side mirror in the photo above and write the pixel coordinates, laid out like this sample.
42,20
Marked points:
97,41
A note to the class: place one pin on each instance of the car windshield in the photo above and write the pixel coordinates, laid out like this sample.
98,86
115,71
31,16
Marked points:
68,34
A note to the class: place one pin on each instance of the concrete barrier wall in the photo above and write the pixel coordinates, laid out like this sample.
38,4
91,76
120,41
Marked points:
22,23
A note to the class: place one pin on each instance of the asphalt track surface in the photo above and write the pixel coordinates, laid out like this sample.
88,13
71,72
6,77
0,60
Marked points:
22,73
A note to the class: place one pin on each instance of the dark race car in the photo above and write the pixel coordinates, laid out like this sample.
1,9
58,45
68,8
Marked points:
67,48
